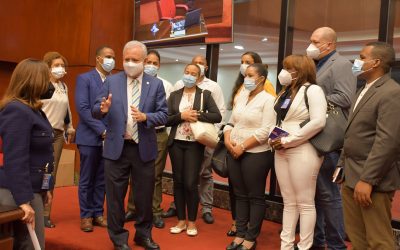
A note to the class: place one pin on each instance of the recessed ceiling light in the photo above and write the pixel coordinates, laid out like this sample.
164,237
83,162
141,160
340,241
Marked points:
176,60
221,49
202,47
239,47
264,39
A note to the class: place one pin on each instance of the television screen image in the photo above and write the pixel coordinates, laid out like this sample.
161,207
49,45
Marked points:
183,22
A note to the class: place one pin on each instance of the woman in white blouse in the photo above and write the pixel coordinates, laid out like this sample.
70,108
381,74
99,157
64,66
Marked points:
296,161
185,152
250,157
58,113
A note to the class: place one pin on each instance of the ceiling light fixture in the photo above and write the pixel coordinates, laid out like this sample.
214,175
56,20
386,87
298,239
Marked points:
202,47
176,60
239,47
264,39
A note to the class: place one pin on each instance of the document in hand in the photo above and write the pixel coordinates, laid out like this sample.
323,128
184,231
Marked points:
277,133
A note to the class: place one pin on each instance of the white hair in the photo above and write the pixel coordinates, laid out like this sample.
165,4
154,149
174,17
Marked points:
133,44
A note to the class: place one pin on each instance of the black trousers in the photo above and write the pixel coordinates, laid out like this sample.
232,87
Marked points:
248,176
117,175
186,158
232,199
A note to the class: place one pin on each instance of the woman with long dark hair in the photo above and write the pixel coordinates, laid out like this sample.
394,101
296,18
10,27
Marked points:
297,162
25,178
250,157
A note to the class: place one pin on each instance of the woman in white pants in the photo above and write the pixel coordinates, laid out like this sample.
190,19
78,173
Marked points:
296,161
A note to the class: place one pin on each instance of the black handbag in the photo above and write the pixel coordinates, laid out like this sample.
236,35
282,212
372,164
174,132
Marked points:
218,160
331,137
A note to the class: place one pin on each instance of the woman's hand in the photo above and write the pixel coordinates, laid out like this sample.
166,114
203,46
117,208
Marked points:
190,115
276,144
105,104
29,216
237,151
70,135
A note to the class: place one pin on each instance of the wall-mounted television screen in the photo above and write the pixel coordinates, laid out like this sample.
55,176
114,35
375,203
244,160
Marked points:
161,23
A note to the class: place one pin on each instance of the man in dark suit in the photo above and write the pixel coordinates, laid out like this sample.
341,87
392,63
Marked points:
371,152
90,133
135,105
335,78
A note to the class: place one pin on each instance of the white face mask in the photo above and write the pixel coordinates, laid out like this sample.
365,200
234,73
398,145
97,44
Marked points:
58,72
133,69
202,69
313,51
243,68
285,78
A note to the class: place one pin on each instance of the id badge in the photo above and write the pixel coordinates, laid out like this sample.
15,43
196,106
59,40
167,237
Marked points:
285,104
46,181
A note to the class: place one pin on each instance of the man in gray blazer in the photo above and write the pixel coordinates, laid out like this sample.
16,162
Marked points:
335,77
371,152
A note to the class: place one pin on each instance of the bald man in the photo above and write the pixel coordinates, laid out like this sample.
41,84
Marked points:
335,77
206,188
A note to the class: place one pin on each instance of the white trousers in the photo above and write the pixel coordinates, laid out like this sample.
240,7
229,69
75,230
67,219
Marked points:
297,170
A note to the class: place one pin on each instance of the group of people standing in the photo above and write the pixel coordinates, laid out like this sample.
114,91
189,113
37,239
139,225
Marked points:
123,142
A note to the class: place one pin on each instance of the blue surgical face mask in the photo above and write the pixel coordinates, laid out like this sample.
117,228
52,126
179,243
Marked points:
108,64
150,69
250,84
357,67
189,80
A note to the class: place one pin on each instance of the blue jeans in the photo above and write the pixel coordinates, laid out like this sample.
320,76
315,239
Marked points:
329,227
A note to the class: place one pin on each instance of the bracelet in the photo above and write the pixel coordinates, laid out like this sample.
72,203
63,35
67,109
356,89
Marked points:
242,146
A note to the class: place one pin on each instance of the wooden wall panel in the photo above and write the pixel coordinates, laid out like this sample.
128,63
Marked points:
35,27
112,25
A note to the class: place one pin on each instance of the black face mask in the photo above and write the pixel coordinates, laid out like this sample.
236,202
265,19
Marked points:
49,92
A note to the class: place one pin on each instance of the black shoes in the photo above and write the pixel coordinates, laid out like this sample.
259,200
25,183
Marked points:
147,243
158,222
171,212
242,247
233,246
208,218
122,247
130,216
231,232
48,223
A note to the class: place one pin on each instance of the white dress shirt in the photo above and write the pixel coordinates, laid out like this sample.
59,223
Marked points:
256,118
130,121
216,93
57,107
365,89
167,87
102,76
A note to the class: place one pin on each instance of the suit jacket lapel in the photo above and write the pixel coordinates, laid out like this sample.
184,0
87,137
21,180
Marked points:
327,64
124,93
144,92
370,92
97,79
197,97
295,104
178,100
